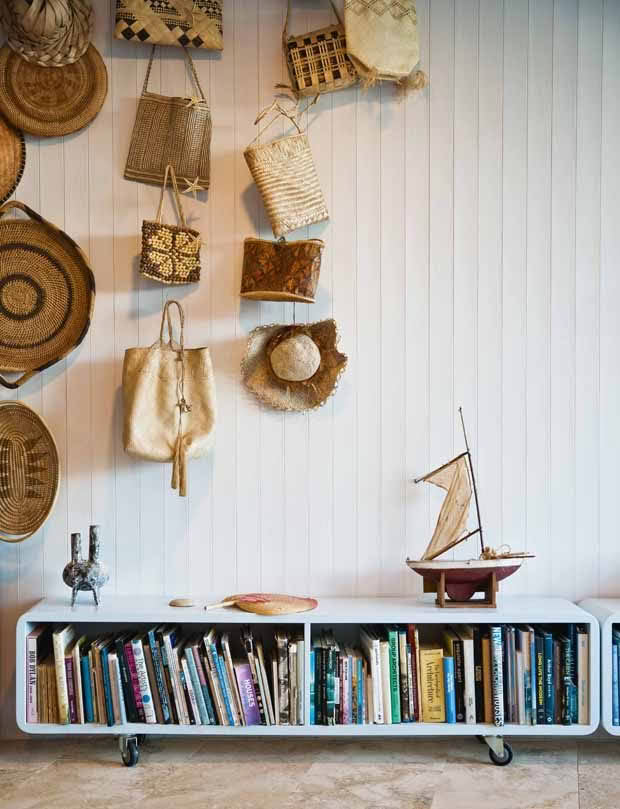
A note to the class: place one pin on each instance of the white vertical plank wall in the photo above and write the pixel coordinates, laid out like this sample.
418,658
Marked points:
472,258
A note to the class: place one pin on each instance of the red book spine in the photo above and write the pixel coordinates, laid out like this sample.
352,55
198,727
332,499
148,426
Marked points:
71,690
135,683
415,708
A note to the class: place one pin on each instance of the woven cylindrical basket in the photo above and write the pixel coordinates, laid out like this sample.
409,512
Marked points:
281,271
29,472
52,101
286,177
47,294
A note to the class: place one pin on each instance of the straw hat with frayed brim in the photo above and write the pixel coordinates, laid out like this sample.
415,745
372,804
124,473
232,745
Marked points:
52,101
293,368
29,472
12,158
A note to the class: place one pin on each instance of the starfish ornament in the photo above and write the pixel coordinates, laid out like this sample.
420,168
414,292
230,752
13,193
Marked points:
192,186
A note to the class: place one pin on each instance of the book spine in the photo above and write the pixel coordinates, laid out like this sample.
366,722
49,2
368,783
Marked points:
114,688
410,684
143,682
249,702
292,668
361,681
119,685
558,696
573,639
31,680
211,671
583,678
77,676
527,677
478,674
312,719
448,686
135,684
204,686
130,705
229,691
520,678
486,680
249,648
192,718
540,680
71,690
220,676
377,687
549,686
191,694
459,680
283,678
238,713
615,696
159,677
61,679
497,676
93,682
394,676
319,686
301,667
198,695
533,677
566,665
470,683
403,680
386,685
178,692
333,683
89,715
415,692
433,697
107,688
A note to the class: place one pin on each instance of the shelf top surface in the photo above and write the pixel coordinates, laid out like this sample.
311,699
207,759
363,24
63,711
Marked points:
402,609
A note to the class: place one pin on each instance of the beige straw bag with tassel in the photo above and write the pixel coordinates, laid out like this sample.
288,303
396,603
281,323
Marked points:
169,401
382,41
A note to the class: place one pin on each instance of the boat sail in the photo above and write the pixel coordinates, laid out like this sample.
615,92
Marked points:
461,578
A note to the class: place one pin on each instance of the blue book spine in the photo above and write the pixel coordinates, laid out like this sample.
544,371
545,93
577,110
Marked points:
193,673
533,677
312,694
219,663
549,680
89,715
615,696
159,676
448,685
360,691
107,688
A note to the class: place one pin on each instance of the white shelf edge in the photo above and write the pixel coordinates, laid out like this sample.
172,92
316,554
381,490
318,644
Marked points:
607,613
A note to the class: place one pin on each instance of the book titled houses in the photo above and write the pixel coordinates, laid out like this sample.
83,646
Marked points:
247,693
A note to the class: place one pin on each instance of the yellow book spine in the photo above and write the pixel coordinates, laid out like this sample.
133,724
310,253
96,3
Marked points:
61,679
431,676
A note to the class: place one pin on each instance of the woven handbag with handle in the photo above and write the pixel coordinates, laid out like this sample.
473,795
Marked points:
169,401
171,130
170,253
185,23
317,62
285,174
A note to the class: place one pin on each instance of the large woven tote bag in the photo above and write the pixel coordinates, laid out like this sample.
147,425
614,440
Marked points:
285,174
171,130
169,400
317,61
382,41
185,23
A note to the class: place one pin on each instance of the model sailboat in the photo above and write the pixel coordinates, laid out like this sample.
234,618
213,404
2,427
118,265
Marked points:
460,579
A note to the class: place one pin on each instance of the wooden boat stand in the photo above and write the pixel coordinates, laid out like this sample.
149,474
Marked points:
442,600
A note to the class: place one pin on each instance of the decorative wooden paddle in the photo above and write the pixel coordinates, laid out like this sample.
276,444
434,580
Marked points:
267,603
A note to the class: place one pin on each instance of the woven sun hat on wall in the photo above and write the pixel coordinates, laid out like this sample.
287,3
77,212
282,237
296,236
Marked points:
50,33
12,158
293,368
47,294
29,472
52,101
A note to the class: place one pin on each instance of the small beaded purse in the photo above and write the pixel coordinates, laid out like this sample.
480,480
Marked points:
170,253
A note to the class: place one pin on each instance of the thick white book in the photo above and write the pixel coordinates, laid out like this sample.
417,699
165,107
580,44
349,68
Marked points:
143,681
190,690
61,638
583,678
116,705
115,676
77,676
370,644
467,636
384,648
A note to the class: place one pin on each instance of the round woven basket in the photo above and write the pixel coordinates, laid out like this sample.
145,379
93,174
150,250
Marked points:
29,472
47,294
52,101
12,159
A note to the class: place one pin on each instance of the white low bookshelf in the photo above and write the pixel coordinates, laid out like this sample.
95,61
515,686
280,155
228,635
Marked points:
607,612
117,612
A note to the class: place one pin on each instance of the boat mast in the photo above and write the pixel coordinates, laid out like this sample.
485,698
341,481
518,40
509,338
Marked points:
473,478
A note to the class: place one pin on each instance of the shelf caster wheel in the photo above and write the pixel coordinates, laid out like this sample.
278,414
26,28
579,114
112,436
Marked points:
481,739
129,750
141,738
501,760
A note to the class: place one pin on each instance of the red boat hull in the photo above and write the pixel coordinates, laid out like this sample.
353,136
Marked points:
462,582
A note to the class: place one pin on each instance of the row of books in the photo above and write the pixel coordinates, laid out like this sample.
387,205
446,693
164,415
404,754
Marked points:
161,676
474,674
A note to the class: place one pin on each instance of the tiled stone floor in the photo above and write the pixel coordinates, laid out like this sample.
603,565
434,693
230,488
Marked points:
308,774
